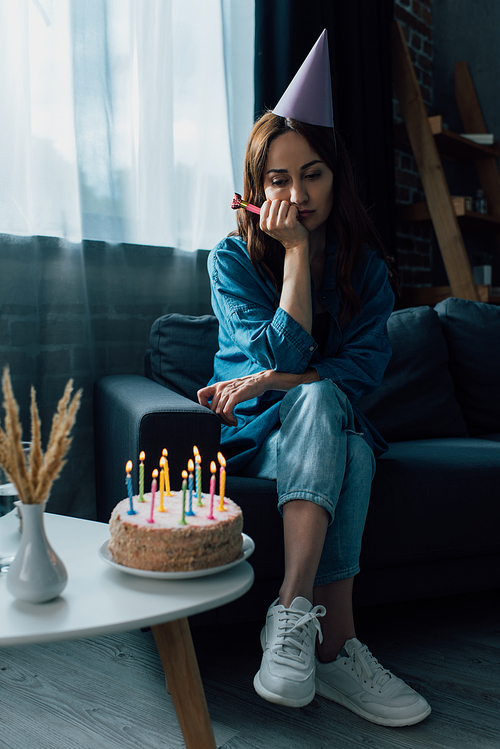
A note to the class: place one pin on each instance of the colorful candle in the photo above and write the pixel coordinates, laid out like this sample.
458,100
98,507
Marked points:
163,460
142,457
164,452
198,479
153,492
222,482
182,521
213,470
128,481
190,487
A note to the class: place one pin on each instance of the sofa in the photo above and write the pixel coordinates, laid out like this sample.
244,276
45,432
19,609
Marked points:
433,526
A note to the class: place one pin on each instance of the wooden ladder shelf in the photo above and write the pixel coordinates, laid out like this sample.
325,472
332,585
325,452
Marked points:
427,139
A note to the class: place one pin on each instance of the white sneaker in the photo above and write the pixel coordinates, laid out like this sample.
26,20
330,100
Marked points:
288,640
358,681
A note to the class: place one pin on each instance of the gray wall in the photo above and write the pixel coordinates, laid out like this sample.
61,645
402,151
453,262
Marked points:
468,30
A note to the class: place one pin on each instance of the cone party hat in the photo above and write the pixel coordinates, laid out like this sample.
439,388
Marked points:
308,98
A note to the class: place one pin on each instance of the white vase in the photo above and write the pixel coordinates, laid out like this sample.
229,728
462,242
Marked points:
36,574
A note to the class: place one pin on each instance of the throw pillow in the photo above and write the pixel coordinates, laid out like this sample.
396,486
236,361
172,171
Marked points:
472,331
415,399
182,352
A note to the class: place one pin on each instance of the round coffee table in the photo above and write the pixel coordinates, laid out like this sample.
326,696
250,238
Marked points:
101,600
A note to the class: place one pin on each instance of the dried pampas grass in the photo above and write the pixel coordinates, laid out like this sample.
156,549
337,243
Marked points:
33,480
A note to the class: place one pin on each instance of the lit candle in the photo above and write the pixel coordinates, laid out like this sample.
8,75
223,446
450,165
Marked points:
153,492
128,481
190,487
164,452
163,460
198,479
213,469
142,457
182,521
222,485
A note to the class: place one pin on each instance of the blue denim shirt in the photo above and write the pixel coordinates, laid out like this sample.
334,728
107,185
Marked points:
255,334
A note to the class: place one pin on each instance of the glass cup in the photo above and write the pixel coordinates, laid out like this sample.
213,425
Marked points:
9,518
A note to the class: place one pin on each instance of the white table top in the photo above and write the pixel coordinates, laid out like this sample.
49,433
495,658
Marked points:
8,490
100,600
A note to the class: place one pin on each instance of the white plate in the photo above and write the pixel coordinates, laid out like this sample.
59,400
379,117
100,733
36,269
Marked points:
246,551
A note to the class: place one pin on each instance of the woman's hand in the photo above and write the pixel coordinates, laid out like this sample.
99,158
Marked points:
280,220
222,397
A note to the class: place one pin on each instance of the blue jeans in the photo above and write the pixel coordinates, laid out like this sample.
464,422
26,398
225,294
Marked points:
316,454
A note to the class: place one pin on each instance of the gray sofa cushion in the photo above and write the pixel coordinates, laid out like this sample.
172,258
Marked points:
442,490
182,352
416,399
472,331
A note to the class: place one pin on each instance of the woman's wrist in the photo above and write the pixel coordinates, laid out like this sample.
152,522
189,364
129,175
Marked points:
287,380
299,248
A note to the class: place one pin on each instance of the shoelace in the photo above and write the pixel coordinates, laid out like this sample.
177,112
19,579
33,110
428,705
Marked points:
294,633
366,663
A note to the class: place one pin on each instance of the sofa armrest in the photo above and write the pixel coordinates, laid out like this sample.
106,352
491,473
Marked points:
132,413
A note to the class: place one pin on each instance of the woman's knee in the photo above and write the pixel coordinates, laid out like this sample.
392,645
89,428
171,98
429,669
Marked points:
360,455
321,396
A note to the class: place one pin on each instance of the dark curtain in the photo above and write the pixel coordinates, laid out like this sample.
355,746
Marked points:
81,311
359,37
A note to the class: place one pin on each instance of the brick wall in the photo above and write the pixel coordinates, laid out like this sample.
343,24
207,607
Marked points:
414,241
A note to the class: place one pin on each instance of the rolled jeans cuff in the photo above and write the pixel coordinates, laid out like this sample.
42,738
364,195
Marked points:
339,574
309,497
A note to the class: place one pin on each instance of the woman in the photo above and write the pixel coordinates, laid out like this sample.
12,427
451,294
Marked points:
302,296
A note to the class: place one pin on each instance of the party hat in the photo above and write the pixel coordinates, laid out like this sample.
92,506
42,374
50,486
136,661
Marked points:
308,98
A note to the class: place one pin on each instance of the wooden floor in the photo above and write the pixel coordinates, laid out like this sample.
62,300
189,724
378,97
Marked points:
109,693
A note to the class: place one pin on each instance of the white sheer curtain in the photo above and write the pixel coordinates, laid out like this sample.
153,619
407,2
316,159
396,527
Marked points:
124,120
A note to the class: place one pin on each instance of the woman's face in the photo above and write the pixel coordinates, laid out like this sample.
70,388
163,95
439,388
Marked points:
295,173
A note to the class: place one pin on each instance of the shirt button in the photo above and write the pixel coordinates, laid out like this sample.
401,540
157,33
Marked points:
324,296
311,348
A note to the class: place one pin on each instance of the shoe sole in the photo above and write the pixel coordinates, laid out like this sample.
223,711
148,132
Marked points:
332,694
279,699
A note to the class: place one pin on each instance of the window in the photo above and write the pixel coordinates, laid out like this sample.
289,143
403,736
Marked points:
124,120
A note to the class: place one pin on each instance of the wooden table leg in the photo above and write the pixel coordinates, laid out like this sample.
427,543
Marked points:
176,651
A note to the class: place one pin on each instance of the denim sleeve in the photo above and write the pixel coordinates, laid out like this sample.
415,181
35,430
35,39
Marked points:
243,302
359,365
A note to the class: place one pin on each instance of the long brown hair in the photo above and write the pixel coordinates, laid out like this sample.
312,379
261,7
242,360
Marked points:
349,218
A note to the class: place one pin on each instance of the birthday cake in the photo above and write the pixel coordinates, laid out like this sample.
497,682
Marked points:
167,545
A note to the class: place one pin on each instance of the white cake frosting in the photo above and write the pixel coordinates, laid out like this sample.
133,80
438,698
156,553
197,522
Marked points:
167,546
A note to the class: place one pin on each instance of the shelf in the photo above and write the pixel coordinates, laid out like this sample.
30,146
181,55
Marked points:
468,220
429,141
451,145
